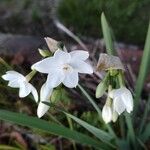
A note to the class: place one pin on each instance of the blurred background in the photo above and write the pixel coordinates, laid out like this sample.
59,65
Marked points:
24,24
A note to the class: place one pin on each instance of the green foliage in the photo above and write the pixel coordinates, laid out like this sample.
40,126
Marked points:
144,70
46,147
107,36
128,18
6,147
50,127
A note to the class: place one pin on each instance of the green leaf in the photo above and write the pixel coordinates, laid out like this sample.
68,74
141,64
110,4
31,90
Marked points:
146,133
100,134
145,114
6,147
123,144
144,68
107,36
3,62
53,128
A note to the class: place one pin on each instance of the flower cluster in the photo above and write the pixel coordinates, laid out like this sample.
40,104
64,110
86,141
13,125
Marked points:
61,66
119,98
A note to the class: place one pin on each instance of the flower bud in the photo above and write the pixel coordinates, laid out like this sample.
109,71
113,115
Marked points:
103,85
107,113
44,53
52,44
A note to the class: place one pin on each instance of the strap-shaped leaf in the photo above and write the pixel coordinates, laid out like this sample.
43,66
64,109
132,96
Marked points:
144,70
107,36
100,134
53,128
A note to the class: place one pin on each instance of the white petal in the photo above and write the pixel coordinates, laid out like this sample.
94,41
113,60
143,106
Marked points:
128,100
55,78
45,94
63,57
42,109
34,92
116,93
82,67
71,79
79,54
118,105
107,114
14,83
45,65
114,116
25,89
12,75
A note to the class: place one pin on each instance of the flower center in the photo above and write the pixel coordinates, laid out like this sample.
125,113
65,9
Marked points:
67,68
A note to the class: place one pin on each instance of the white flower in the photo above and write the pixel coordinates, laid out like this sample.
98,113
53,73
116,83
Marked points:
17,80
122,100
64,67
107,113
44,97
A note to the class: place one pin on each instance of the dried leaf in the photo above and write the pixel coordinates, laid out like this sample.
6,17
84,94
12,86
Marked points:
52,44
107,62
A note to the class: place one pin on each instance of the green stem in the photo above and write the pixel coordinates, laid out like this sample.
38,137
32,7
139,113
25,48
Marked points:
2,61
31,75
130,129
54,118
121,79
71,127
122,126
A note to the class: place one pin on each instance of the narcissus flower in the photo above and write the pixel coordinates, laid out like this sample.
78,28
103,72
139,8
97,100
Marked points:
64,67
122,100
17,80
45,94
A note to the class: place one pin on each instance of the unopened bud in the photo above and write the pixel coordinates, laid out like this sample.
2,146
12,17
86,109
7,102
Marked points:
52,44
107,113
44,53
102,87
